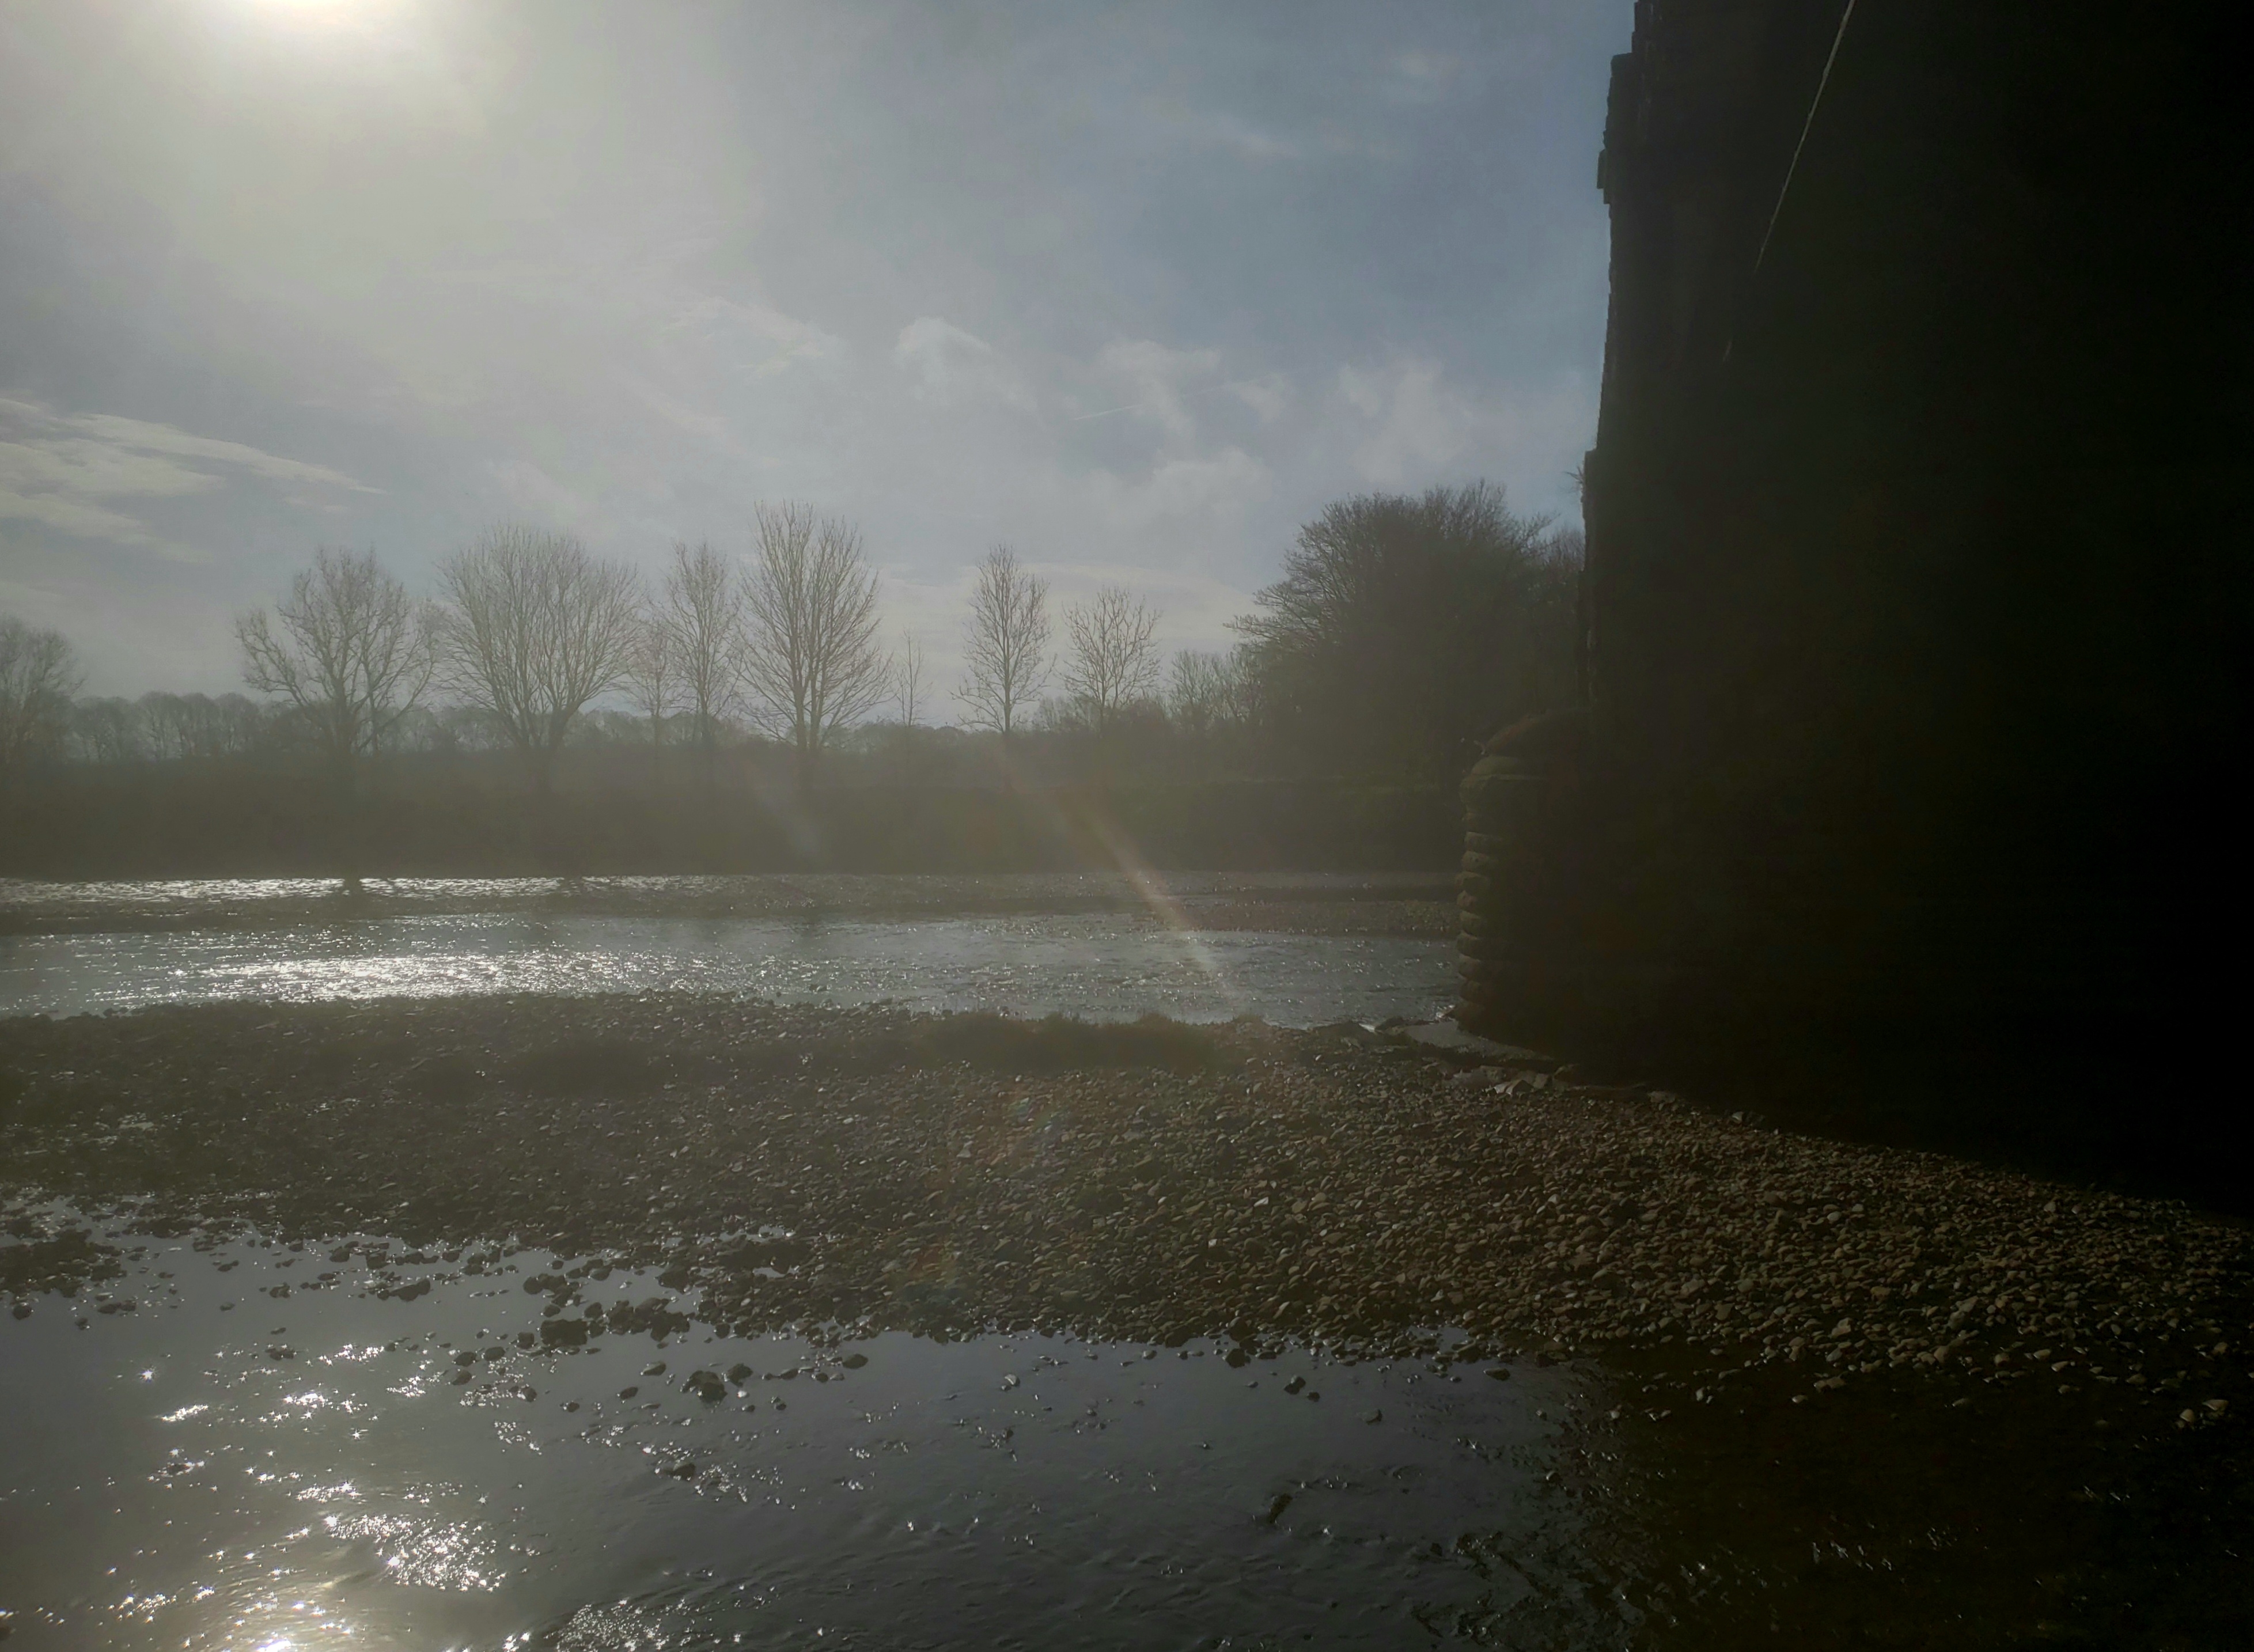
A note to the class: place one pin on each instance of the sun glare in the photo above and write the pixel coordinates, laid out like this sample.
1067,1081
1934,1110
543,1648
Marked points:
322,12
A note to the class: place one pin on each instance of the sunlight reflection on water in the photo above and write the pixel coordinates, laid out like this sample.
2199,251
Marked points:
996,1490
1104,965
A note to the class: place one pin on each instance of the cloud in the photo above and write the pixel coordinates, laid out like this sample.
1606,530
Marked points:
1420,77
951,367
1412,425
1232,132
755,339
628,274
1154,375
530,491
1421,425
67,472
1268,398
164,438
1178,490
1194,607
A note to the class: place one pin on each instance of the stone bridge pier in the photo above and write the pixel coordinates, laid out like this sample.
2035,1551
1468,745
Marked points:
1918,602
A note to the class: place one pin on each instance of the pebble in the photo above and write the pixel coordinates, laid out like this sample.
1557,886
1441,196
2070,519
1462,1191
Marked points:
1151,1183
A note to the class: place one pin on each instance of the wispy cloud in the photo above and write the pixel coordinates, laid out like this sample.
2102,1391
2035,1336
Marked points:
1412,422
1422,77
77,473
949,365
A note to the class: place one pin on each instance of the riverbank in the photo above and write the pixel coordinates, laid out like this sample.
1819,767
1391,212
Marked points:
434,817
867,1169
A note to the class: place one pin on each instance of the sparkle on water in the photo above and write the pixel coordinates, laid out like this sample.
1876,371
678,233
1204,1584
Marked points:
1104,964
319,1472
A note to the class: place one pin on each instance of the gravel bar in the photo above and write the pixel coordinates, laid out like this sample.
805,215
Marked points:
856,1170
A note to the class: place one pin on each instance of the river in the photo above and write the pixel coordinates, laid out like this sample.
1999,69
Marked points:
1099,948
338,1441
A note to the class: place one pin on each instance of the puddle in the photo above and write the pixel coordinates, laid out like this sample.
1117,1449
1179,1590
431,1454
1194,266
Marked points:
264,1453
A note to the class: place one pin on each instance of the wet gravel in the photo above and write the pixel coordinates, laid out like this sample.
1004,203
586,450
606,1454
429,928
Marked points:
841,1172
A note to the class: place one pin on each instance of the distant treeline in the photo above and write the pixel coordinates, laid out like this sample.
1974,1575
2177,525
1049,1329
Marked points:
549,711
605,815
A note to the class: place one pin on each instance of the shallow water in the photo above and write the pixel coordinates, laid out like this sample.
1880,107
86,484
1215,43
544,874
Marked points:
263,1453
1099,966
36,905
169,1477
299,1470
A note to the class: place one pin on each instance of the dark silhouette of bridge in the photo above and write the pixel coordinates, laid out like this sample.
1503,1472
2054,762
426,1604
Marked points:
1918,600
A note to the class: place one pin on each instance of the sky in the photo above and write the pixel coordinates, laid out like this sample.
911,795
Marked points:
1135,289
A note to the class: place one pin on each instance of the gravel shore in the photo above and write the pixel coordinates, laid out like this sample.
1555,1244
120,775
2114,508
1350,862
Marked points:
869,1169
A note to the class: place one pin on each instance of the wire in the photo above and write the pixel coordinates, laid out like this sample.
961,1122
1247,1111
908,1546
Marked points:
1806,126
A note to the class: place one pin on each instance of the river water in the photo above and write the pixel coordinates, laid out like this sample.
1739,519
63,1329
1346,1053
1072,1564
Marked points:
262,1453
939,944
248,1445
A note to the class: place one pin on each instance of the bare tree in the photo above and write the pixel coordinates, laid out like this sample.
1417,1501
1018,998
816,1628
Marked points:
1111,658
107,731
1005,645
1214,694
653,678
810,662
908,678
534,629
195,727
1195,693
39,674
352,655
909,691
164,720
703,610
